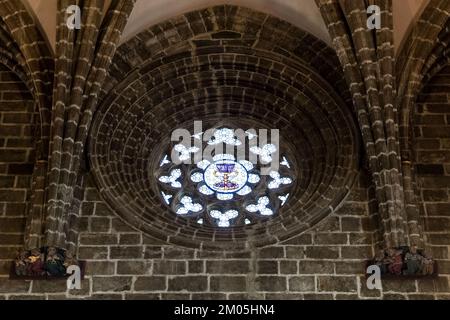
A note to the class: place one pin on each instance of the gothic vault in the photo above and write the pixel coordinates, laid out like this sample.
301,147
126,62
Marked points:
363,114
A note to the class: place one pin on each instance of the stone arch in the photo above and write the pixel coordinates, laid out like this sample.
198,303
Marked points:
367,57
22,39
250,66
20,132
28,58
423,55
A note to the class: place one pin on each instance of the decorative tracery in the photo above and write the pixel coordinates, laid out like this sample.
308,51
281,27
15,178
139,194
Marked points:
225,190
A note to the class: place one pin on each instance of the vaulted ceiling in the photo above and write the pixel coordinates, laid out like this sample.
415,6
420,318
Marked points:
301,13
234,67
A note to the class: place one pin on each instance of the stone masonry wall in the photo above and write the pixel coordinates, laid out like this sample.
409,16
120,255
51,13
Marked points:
432,158
16,166
324,263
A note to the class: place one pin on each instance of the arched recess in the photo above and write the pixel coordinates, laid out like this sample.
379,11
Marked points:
19,127
23,50
424,54
20,36
430,144
224,62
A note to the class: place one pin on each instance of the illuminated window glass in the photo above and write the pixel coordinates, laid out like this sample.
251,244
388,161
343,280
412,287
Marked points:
224,190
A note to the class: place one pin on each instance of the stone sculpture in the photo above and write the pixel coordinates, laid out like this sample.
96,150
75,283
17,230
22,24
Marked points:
47,261
404,261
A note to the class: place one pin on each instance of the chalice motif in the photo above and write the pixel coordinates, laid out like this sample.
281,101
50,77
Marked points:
194,192
224,172
225,176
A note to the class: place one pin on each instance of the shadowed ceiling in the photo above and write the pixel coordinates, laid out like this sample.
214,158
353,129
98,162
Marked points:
304,14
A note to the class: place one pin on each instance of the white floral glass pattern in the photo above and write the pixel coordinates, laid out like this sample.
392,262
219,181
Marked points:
223,219
226,136
261,207
221,190
187,205
172,179
184,152
278,181
265,152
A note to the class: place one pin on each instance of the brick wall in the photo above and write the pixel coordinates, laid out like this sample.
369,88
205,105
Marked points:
319,264
325,263
124,264
432,157
16,165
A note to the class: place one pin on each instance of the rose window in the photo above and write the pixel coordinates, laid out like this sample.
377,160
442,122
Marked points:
245,183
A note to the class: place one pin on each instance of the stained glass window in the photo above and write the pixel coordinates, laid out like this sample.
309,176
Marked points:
225,190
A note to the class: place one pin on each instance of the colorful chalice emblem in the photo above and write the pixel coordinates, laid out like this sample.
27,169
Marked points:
225,172
226,176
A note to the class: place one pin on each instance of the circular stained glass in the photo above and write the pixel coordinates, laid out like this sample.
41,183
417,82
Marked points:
226,176
225,189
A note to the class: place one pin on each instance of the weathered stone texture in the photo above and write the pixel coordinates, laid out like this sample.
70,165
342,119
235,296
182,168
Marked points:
242,60
17,155
432,164
232,63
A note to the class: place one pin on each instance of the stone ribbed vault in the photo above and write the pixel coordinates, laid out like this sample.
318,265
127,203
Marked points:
367,57
233,64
